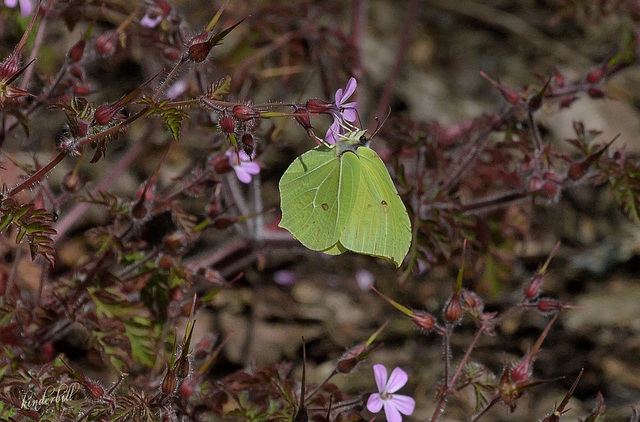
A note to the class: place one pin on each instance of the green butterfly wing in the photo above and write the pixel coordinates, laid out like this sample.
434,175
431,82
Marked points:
318,194
379,223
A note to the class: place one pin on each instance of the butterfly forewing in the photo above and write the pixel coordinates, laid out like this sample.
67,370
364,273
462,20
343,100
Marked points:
379,223
318,195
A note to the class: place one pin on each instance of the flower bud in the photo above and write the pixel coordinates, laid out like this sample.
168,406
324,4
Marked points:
550,190
244,112
247,144
182,368
10,66
549,305
81,91
535,184
199,47
424,320
227,124
315,106
553,177
80,129
350,359
77,72
169,383
139,210
532,289
175,242
559,79
75,53
596,75
534,102
164,6
595,92
578,170
453,311
95,390
521,372
188,387
106,43
567,101
105,113
472,300
473,304
302,117
510,95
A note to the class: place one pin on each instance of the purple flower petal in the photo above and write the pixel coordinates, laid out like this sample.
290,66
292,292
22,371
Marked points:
391,412
338,97
350,112
150,22
242,175
11,3
404,404
380,374
245,168
374,404
350,88
251,167
396,381
178,88
333,133
342,111
284,277
394,405
26,8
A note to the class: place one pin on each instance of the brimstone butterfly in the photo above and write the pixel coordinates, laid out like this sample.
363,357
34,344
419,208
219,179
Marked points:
340,197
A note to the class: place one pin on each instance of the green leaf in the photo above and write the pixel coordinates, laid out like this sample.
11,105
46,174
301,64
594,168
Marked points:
34,224
219,89
171,116
626,189
138,329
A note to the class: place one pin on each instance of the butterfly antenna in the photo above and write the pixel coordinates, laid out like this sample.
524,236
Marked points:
380,124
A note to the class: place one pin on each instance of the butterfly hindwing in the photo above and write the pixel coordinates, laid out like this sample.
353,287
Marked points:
379,223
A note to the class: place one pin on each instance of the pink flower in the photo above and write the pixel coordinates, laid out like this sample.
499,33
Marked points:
284,277
245,168
157,10
26,6
149,21
394,404
342,111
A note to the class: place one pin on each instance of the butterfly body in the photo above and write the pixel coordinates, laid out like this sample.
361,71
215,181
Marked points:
341,197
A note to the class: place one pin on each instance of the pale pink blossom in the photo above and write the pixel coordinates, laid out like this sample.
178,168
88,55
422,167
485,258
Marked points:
245,168
150,21
26,6
394,404
342,111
